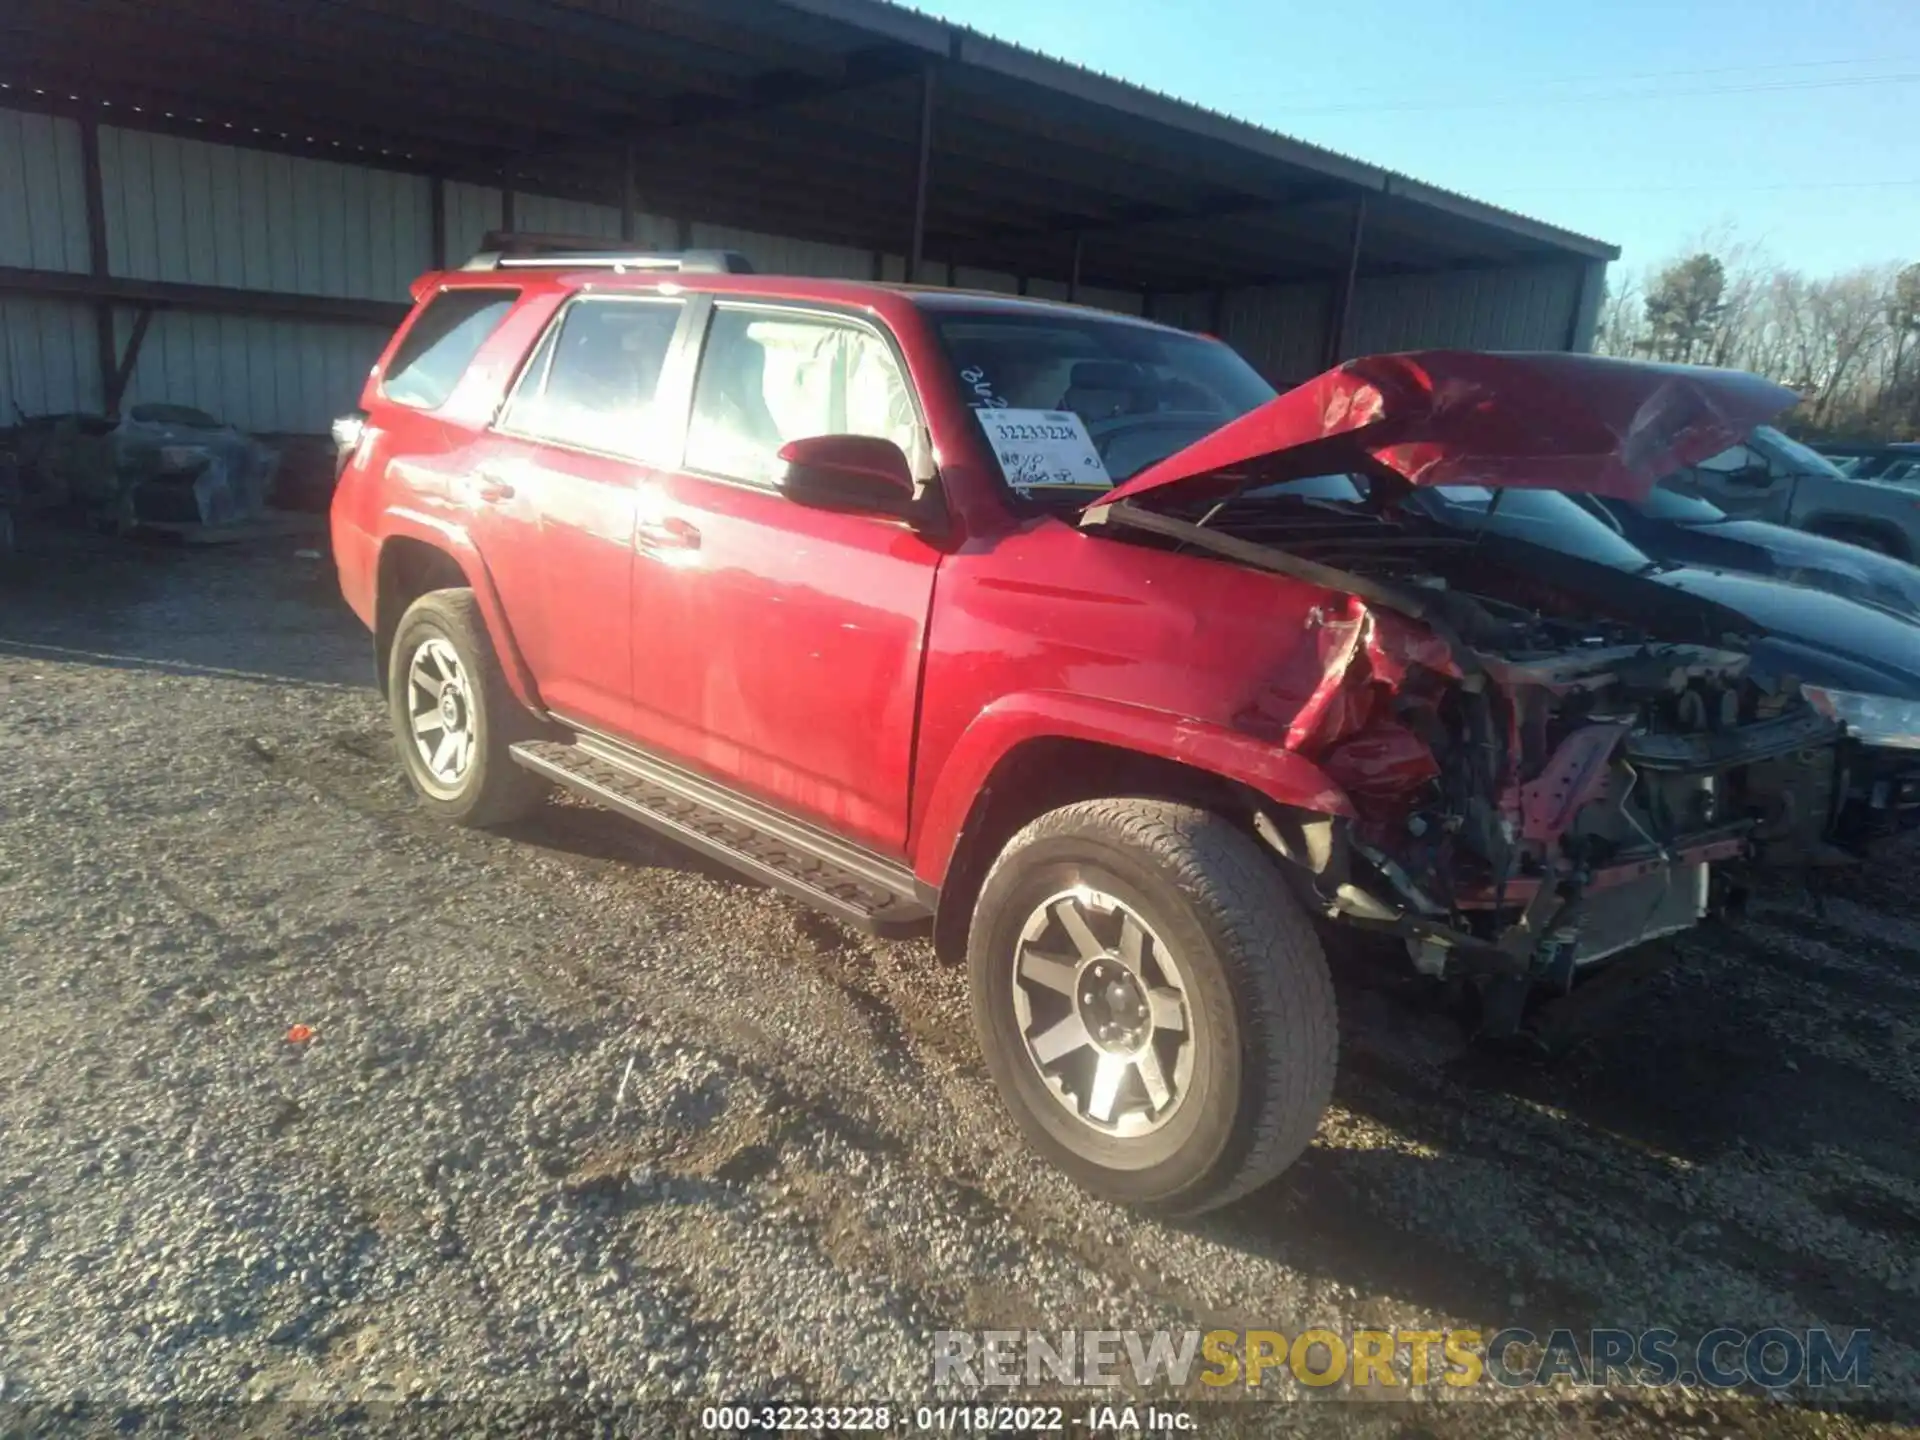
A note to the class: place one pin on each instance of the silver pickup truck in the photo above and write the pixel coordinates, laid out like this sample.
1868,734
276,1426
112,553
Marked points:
1775,478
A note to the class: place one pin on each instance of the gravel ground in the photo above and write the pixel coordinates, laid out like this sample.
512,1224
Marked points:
585,1117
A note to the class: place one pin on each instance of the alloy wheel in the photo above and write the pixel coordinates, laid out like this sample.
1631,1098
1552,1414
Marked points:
440,712
1103,1011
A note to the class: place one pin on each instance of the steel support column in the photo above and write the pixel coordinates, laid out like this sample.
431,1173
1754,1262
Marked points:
123,371
98,263
917,251
1339,313
629,197
439,222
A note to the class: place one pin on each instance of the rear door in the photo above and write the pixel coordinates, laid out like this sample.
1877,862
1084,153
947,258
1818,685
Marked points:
560,476
777,647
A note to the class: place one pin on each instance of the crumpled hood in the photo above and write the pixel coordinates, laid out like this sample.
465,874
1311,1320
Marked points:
1546,421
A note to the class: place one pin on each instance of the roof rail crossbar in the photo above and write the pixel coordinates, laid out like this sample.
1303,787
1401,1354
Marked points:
509,250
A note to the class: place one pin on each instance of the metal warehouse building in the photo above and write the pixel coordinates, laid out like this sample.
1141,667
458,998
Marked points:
222,202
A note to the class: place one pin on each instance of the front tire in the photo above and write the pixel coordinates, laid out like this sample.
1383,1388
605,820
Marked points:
1152,1003
454,717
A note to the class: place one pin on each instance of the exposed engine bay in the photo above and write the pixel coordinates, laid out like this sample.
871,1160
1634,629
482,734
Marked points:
1541,775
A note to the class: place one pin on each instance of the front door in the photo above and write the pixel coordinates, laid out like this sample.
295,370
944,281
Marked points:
574,445
775,646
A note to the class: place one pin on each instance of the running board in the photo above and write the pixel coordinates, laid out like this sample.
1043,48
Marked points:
863,889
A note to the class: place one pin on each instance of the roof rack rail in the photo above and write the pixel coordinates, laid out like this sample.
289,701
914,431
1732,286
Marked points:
514,250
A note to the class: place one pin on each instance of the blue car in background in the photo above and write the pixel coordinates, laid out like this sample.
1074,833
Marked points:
1681,529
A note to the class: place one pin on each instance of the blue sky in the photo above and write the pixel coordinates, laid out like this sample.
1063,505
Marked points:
1648,123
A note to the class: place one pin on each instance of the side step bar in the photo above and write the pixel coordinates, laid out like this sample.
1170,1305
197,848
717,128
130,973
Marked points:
863,889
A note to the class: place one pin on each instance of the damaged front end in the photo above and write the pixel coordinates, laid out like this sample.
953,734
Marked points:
1531,794
1540,776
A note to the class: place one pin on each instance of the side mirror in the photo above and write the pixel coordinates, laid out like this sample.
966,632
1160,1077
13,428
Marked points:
859,473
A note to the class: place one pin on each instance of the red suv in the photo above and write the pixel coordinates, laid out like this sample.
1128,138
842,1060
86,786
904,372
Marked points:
1057,631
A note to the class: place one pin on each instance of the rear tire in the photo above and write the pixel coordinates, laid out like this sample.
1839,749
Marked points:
454,717
1206,1036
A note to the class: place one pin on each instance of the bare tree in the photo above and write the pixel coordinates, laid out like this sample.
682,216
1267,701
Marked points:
1622,327
1849,317
1684,308
1849,343
1903,318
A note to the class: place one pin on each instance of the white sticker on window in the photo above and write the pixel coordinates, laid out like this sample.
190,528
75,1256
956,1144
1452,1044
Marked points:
1044,448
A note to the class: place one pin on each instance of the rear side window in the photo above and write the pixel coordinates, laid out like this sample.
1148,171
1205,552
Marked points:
593,380
441,343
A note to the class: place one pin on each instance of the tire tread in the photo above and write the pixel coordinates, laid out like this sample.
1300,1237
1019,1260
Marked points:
1272,956
507,790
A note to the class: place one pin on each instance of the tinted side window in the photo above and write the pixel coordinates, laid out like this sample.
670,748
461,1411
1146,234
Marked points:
592,381
441,343
768,378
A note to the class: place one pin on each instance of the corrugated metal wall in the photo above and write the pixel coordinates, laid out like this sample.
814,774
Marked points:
1520,309
206,214
471,212
47,347
192,211
777,255
1282,329
43,203
47,364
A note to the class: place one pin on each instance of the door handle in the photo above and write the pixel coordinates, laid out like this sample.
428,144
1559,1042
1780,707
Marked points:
491,487
672,533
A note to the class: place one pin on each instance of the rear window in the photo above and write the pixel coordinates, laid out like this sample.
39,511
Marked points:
441,343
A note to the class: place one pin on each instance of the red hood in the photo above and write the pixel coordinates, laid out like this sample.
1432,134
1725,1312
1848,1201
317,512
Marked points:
1545,421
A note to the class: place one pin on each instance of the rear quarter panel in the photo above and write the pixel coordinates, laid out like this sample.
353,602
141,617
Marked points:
405,477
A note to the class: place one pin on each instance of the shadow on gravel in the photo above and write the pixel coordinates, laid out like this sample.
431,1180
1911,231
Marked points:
1752,1068
586,832
257,611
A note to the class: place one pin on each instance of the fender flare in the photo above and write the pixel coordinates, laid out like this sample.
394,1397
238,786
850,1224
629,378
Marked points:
453,541
1281,775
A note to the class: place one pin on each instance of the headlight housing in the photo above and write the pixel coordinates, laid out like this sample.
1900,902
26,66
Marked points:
1879,720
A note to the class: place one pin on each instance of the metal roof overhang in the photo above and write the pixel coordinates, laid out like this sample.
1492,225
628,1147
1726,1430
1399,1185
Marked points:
809,118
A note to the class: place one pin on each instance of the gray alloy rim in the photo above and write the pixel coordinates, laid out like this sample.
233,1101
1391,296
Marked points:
440,712
1103,1013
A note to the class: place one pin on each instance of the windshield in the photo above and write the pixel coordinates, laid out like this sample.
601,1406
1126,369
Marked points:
1664,504
1804,461
1075,404
1540,517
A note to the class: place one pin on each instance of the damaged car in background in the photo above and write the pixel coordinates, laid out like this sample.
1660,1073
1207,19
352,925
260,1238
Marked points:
159,467
1542,774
